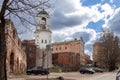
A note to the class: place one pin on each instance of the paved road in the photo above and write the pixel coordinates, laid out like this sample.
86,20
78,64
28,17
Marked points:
72,75
105,76
96,76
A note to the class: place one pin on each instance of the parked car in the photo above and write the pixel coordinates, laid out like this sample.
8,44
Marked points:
38,70
96,69
87,70
118,75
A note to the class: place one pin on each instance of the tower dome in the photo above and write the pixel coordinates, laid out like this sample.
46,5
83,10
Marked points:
43,12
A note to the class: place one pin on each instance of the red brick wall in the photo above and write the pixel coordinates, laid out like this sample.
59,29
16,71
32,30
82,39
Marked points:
30,50
75,46
87,59
16,57
69,61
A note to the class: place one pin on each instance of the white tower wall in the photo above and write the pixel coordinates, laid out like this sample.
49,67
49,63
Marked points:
43,38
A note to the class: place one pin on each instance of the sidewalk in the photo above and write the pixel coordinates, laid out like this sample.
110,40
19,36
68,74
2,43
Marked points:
13,77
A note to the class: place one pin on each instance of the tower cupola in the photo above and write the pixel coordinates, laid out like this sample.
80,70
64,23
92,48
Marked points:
43,12
43,21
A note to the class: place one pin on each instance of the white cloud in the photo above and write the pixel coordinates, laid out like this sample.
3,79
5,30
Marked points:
67,33
107,10
113,23
72,10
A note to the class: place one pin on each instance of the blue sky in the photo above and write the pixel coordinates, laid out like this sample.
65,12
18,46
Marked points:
71,19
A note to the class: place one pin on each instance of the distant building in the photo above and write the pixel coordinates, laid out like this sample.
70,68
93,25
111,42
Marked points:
97,55
87,59
69,54
30,50
97,50
43,38
16,57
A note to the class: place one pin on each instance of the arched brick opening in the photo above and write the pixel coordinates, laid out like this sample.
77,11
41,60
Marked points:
12,62
17,64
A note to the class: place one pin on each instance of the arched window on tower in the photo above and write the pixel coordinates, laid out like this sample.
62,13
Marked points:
43,20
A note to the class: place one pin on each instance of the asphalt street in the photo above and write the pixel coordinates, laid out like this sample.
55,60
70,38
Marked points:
69,75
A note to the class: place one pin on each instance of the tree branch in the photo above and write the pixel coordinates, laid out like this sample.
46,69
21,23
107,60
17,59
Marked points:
3,9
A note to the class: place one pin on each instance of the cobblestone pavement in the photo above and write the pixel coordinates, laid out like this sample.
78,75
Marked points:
70,75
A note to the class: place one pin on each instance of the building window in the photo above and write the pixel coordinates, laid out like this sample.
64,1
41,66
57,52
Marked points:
45,41
30,55
43,20
60,48
56,48
52,49
42,41
65,47
72,59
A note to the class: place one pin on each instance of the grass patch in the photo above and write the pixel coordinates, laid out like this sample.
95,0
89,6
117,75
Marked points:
20,74
55,69
42,79
48,79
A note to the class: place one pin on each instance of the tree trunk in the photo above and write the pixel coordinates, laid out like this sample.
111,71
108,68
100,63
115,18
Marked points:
3,52
112,67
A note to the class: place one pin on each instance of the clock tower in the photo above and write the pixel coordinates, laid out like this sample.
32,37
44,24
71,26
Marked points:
43,38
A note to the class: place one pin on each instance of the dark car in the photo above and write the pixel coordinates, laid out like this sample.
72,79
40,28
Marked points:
38,70
118,75
87,70
96,69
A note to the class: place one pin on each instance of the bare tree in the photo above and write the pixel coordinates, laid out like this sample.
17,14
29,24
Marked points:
21,10
110,50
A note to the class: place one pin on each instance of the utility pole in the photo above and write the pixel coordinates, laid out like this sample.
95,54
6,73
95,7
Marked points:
48,48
